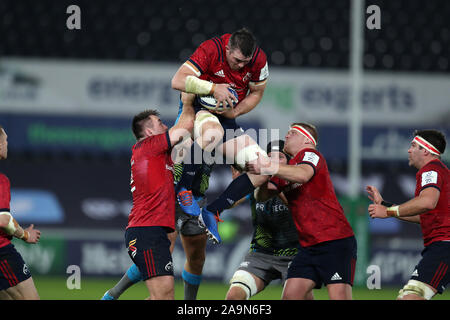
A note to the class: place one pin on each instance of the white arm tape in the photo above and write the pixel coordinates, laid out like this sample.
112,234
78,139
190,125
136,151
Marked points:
198,86
10,229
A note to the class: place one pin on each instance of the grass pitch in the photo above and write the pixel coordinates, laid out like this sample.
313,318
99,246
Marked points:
55,288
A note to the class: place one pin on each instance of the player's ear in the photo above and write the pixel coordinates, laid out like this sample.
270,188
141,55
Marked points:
148,132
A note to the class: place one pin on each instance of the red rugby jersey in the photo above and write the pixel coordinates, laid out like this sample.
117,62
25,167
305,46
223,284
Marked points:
435,223
315,209
209,62
5,199
152,183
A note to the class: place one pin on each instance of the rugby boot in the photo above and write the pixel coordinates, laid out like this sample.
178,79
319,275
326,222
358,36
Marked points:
209,221
188,203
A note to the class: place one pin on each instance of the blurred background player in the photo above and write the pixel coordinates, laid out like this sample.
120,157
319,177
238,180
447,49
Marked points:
16,282
274,242
152,216
327,254
232,60
430,208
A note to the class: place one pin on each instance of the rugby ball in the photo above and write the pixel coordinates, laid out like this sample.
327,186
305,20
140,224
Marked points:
209,102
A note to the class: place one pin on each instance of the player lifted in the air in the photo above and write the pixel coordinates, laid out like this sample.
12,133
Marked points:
218,64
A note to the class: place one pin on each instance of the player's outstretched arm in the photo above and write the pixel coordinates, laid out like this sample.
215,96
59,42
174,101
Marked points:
11,227
410,210
185,124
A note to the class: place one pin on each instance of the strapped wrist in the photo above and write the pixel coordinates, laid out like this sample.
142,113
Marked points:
25,235
393,211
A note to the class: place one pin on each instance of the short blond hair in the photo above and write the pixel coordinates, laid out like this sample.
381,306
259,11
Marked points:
310,128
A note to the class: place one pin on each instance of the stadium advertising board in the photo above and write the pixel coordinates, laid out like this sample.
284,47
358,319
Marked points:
89,88
112,135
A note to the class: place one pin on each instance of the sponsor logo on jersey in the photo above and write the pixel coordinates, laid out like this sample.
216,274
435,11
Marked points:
311,157
429,177
220,73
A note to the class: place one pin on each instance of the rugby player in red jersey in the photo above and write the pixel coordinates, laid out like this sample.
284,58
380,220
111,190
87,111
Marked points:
328,247
16,282
431,208
152,216
231,60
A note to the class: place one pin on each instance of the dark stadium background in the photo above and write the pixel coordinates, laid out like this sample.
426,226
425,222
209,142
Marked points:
69,156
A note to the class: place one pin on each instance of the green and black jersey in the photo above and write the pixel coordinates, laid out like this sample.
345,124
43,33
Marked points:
201,179
274,229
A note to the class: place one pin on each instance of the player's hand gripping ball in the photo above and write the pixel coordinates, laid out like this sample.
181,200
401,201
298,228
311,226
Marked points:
209,102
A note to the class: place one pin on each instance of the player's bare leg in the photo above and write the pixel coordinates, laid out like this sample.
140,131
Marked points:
340,291
5,295
195,251
208,132
25,290
132,275
161,288
298,289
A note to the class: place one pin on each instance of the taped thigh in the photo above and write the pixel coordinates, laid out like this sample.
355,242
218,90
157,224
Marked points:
200,120
245,281
418,288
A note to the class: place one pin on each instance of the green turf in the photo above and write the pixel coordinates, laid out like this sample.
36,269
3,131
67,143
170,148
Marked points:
54,288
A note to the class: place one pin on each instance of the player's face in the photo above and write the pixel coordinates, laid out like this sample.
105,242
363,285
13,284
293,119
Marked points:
415,153
236,60
294,142
158,126
278,156
3,145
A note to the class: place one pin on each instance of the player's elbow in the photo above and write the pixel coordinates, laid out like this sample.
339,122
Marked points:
429,204
177,83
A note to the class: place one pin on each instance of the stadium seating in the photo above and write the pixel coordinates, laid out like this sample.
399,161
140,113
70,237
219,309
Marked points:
414,34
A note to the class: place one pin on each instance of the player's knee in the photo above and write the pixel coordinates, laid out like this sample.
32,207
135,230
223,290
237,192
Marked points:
236,293
415,290
163,293
244,281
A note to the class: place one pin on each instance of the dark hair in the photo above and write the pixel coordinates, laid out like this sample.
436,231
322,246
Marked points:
139,120
310,128
1,131
435,137
243,40
277,146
